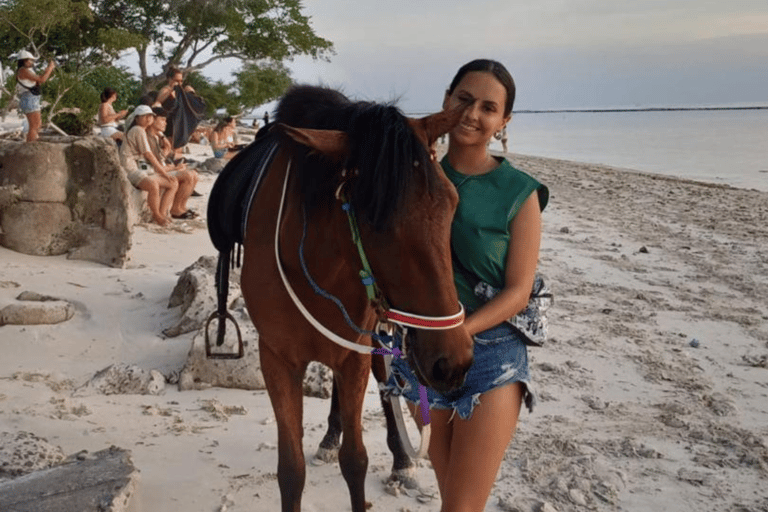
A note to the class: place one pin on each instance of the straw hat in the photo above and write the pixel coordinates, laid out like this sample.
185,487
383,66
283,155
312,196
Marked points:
24,55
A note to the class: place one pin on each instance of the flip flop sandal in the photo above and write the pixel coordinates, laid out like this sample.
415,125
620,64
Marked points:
189,214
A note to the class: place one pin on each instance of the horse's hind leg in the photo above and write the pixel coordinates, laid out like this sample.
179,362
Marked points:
353,459
402,466
284,385
329,446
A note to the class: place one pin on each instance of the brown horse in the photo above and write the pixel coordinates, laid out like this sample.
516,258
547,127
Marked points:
333,148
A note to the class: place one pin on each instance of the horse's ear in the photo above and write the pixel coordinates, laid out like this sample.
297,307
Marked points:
436,125
334,144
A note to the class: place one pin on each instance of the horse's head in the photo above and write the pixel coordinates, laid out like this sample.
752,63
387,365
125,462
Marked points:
405,205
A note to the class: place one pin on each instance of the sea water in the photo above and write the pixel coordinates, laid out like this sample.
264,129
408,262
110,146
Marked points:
718,146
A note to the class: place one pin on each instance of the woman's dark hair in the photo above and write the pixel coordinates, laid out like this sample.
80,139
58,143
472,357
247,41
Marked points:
172,71
107,93
148,99
493,67
20,64
221,124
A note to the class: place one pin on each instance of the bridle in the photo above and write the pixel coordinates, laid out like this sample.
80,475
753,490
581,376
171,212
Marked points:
387,314
389,318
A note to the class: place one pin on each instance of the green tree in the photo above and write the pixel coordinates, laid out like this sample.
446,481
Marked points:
67,31
193,34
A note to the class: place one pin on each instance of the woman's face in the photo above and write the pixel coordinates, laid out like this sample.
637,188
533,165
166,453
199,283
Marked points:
485,115
28,63
145,120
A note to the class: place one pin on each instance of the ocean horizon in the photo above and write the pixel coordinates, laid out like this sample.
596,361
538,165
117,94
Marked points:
721,145
725,144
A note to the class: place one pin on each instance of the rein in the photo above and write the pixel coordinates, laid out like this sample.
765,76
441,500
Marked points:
390,315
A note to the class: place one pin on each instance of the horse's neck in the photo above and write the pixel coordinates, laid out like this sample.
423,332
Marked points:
333,261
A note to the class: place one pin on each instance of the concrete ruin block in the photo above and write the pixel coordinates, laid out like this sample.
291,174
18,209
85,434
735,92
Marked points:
24,452
123,379
40,229
201,373
37,313
212,166
318,381
102,482
195,293
39,170
81,175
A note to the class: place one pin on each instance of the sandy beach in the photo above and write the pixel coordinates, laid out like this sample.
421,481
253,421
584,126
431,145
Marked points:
652,388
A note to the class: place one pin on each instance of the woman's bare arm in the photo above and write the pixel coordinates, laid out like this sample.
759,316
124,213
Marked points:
522,258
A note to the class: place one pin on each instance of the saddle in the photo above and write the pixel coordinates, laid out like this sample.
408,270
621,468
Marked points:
229,203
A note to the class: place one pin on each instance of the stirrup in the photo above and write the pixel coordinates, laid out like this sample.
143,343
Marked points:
209,353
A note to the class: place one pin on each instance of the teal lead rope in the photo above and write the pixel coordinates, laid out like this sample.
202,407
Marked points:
374,295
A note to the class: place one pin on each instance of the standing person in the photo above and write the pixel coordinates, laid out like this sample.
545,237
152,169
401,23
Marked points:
108,118
184,108
495,237
187,178
28,89
266,118
136,156
503,137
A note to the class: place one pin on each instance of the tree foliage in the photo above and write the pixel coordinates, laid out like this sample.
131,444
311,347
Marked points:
193,34
66,31
89,35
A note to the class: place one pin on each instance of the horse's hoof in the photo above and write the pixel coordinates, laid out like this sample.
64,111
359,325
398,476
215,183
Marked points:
325,455
404,478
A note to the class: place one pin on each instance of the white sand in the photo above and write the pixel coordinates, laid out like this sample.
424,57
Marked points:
631,417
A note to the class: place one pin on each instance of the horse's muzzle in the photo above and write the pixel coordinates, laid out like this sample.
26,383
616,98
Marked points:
442,371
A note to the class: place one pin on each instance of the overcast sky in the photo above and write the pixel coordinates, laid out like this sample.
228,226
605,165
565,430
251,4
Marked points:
562,53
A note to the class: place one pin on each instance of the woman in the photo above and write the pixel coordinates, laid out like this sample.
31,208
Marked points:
108,118
495,239
162,150
28,90
223,139
136,156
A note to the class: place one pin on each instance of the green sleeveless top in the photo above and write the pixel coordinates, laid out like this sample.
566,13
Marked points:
480,230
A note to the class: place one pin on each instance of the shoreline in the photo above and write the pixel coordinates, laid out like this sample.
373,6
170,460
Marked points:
632,416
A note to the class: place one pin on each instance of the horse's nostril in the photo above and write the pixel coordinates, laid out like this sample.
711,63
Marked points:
441,370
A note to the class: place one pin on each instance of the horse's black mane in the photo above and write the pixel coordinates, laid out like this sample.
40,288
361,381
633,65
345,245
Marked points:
383,148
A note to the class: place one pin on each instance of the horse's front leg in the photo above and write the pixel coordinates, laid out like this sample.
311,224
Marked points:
352,380
284,385
329,446
403,468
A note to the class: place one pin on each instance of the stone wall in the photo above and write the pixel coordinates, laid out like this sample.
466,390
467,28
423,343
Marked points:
67,195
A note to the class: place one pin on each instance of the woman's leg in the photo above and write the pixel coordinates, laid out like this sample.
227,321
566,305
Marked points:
152,188
187,182
168,188
472,455
35,122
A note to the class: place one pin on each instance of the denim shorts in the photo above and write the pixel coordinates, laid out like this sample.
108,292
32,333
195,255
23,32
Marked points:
500,358
29,103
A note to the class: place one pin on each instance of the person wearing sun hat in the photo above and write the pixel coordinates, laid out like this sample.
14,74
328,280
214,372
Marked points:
28,90
136,156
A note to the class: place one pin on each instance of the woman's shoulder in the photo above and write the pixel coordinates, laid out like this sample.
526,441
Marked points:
524,182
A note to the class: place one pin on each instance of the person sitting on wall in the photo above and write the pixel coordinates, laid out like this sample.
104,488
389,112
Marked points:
136,156
108,118
161,148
